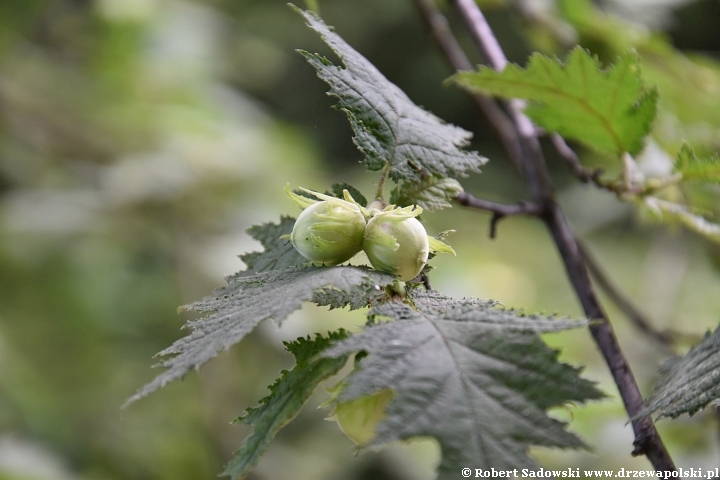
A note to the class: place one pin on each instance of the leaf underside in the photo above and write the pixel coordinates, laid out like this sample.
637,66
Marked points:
287,396
389,128
432,193
476,378
610,110
688,383
249,300
278,253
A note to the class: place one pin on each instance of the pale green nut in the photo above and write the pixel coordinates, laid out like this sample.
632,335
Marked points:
330,231
396,242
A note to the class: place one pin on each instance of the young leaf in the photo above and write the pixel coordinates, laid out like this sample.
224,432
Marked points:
689,383
698,169
273,294
389,128
287,396
608,110
431,193
476,378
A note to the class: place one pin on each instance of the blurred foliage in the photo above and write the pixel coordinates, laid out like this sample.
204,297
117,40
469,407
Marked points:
140,138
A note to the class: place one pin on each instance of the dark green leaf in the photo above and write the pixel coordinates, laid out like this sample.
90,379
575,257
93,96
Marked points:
274,294
689,383
610,110
278,252
389,128
431,193
287,396
476,378
694,168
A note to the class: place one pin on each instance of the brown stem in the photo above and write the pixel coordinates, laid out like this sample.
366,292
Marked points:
438,25
498,210
568,154
647,440
636,317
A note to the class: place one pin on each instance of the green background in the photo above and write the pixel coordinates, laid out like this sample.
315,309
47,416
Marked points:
140,138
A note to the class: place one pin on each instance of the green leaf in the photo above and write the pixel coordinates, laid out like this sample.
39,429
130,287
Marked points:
476,378
278,252
389,128
682,214
688,383
576,11
287,396
273,294
694,168
610,110
431,193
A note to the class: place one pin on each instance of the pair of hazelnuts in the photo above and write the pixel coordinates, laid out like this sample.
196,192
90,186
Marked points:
332,230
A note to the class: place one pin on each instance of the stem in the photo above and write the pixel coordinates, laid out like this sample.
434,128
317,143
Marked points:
647,440
379,193
438,25
584,174
665,340
499,210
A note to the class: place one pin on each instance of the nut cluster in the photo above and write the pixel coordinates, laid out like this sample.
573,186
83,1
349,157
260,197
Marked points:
331,230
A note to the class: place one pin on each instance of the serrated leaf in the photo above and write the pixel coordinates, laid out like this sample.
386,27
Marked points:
274,294
389,128
360,296
287,396
278,252
682,214
610,110
694,168
476,378
688,383
431,193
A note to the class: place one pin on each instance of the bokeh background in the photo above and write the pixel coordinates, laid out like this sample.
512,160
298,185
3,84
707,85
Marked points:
140,138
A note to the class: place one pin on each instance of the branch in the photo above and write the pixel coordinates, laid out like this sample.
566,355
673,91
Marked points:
647,440
536,172
438,25
498,210
638,319
568,154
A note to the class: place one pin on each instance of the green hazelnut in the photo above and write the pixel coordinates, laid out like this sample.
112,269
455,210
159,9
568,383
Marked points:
396,242
327,232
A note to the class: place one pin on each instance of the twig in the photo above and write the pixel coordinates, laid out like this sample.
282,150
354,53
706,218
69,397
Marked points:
438,25
624,304
498,210
584,174
647,440
537,175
